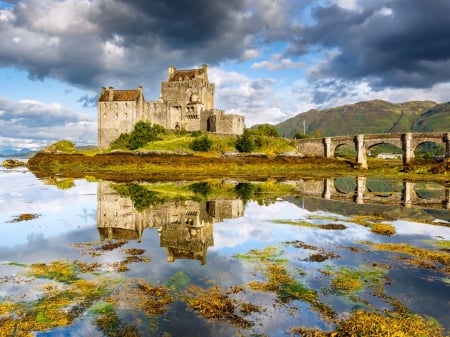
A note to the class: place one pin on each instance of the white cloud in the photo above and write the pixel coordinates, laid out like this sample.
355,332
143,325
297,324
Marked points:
347,4
277,62
33,124
253,98
250,54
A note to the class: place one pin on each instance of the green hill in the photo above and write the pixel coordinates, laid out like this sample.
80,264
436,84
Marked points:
374,116
434,119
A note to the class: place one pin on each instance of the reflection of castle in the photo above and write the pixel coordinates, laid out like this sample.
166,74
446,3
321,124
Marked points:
185,228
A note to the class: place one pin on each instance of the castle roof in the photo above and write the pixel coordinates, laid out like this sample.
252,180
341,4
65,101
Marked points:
181,75
120,95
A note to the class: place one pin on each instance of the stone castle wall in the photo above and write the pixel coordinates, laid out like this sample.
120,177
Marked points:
186,102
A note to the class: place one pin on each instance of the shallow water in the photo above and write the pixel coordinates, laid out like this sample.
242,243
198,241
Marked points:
210,242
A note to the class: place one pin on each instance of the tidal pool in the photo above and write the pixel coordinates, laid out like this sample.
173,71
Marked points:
221,258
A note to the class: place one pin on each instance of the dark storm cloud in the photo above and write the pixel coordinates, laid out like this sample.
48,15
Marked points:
126,43
400,43
88,101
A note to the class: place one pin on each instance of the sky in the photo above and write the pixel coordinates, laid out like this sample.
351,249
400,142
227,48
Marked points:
270,59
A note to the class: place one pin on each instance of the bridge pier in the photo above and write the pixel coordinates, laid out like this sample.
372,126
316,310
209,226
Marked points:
361,159
408,152
446,202
327,147
327,185
360,189
408,188
447,144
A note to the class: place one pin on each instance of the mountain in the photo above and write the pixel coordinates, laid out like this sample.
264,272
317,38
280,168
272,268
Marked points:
434,119
374,116
22,153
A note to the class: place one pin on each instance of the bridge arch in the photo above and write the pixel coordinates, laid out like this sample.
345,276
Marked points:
436,148
344,150
344,185
408,142
369,148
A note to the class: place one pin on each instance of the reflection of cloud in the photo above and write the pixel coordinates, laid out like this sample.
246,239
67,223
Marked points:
50,203
256,228
415,228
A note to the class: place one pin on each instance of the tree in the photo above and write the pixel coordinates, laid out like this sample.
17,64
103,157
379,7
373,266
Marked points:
142,133
299,135
245,143
201,144
267,130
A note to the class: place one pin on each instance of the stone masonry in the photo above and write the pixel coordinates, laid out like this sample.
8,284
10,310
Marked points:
186,102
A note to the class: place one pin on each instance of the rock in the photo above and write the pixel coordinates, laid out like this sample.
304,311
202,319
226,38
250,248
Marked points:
11,163
233,153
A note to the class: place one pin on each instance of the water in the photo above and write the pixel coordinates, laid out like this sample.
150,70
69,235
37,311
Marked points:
218,240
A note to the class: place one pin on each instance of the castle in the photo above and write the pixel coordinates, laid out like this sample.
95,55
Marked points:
186,102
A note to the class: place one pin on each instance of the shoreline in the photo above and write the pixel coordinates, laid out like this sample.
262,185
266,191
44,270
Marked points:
150,166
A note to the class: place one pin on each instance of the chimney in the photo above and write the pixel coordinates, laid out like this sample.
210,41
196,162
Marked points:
205,71
111,93
102,94
171,71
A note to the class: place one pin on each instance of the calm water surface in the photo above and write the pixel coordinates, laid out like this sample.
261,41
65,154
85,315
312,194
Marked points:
215,242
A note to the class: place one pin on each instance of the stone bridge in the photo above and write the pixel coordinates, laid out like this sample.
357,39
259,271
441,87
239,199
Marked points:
408,142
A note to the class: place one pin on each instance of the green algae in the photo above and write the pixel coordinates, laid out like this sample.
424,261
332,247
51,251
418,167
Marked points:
349,281
362,323
417,256
215,304
62,271
278,279
25,217
268,254
304,223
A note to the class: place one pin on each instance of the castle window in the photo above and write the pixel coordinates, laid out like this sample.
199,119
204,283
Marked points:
104,115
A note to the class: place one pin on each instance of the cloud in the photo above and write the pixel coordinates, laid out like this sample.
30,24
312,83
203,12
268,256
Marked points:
124,43
402,43
32,124
252,98
348,49
277,62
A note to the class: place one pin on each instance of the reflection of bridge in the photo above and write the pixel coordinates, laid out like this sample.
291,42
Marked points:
409,194
408,142
185,228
